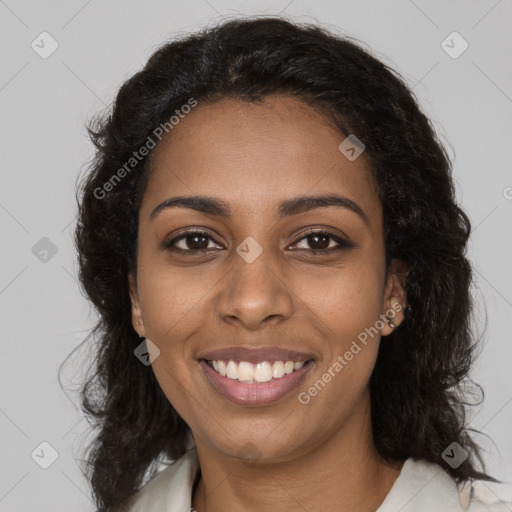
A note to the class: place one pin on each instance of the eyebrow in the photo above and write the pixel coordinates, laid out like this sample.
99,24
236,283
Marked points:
289,207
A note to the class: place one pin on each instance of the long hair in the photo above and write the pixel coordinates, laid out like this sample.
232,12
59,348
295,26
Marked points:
417,386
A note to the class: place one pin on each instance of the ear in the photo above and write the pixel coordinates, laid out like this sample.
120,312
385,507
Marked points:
395,297
137,320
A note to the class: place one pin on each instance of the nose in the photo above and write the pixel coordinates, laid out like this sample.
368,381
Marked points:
255,294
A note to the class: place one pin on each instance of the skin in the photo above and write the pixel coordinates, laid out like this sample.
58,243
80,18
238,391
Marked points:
320,456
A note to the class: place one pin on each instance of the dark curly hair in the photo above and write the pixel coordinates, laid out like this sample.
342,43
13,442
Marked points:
418,393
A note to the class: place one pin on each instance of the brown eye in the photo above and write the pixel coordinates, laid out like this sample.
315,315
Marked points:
193,241
321,242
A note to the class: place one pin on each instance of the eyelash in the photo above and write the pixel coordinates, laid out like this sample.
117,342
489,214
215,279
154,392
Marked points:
342,244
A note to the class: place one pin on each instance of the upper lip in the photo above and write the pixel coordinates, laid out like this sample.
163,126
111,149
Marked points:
255,354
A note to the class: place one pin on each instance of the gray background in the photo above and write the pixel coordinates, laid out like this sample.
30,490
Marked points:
44,104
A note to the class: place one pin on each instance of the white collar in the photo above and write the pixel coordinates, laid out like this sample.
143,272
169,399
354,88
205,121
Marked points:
421,487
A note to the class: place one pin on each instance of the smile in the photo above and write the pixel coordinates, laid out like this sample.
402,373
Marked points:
255,376
264,371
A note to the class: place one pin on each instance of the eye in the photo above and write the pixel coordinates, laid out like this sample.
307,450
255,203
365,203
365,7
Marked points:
318,242
193,241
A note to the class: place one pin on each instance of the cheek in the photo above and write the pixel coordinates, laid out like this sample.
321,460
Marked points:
172,306
172,301
176,385
351,349
349,303
348,300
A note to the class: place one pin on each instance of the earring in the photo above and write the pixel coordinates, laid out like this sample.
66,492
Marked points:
137,323
390,322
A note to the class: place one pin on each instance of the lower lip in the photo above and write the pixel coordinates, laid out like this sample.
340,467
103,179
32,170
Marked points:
260,393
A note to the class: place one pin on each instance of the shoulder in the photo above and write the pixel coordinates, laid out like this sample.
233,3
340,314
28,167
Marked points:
169,490
423,486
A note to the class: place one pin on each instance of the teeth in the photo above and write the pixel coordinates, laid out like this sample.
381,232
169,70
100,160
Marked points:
278,370
245,371
232,370
260,372
263,372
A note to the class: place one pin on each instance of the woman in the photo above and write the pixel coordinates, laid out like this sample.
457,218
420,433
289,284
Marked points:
270,235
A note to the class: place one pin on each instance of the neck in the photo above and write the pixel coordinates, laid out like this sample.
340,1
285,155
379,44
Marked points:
342,473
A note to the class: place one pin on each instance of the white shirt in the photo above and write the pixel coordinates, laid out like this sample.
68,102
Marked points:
420,487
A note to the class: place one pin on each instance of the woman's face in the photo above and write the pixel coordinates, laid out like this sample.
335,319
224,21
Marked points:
253,281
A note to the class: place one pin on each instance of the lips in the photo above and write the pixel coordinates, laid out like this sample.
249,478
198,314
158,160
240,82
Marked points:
261,387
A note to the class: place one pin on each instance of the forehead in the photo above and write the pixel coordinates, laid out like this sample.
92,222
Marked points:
256,155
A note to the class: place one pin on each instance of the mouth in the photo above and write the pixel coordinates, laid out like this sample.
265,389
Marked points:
264,371
255,376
